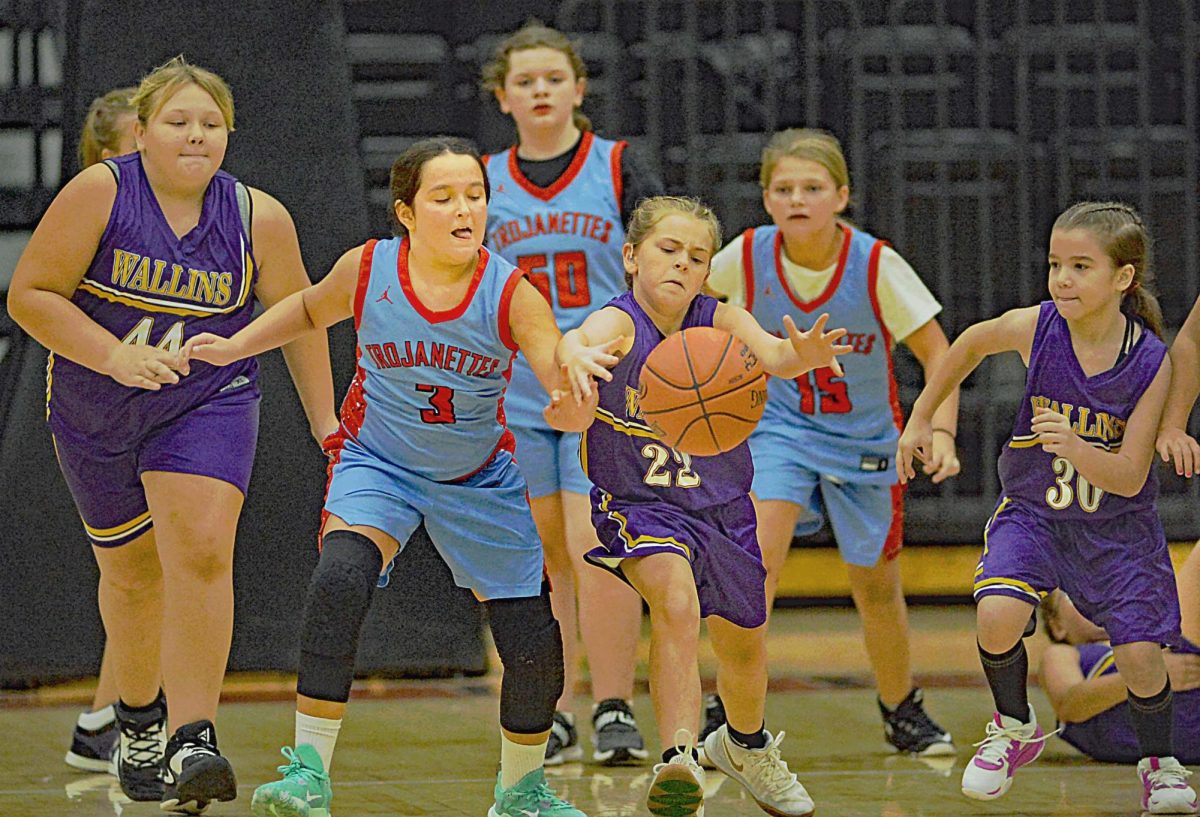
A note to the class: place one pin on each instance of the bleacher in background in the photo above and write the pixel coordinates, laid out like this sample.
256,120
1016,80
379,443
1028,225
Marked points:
968,125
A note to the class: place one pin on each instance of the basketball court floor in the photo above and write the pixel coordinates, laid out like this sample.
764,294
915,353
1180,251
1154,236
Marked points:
431,747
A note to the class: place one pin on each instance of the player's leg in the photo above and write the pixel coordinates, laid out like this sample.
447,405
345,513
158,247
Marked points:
195,525
1188,580
742,747
96,733
610,621
666,582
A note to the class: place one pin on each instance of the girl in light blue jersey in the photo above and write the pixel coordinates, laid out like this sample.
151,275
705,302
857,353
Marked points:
423,438
561,196
823,448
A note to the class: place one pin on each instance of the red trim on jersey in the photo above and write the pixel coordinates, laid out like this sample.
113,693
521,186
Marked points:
485,158
505,314
560,184
364,278
618,181
354,409
425,312
830,288
748,266
895,536
872,281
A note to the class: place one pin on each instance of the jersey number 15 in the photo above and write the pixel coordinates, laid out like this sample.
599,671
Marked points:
830,395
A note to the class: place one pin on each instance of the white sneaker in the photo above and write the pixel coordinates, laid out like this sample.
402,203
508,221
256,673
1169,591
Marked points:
677,789
762,772
1008,746
1164,786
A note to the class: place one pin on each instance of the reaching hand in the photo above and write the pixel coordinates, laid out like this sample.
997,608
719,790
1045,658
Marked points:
212,349
816,348
591,362
1183,669
566,414
1176,444
915,441
144,367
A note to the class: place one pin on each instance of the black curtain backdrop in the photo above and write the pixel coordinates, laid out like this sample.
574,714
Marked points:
296,139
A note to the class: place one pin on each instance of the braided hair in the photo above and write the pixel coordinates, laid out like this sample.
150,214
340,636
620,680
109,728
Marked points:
1126,240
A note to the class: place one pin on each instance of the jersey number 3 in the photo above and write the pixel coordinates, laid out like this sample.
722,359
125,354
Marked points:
570,277
441,398
834,396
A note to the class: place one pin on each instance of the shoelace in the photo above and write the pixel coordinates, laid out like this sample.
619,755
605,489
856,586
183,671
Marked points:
145,745
684,747
915,723
774,775
994,746
546,797
296,767
1173,777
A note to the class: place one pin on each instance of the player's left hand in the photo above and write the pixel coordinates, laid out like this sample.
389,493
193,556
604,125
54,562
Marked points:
1054,432
211,348
816,348
943,460
568,413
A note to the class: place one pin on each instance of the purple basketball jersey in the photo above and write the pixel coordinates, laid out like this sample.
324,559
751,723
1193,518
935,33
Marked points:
1098,408
622,456
148,286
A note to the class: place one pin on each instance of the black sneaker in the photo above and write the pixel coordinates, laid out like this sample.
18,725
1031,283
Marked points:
139,754
714,719
92,749
563,745
908,728
194,772
615,734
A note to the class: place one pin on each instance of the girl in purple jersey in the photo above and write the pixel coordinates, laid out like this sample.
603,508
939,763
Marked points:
1078,507
680,530
462,296
157,460
539,79
107,132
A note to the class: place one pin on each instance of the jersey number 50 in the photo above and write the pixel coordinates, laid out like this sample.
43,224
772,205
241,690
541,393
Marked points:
835,398
570,277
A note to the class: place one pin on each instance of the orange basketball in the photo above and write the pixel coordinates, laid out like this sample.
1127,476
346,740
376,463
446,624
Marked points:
702,391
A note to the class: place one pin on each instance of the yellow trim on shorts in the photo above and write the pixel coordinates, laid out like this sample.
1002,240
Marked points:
632,543
624,427
1102,665
1012,584
117,531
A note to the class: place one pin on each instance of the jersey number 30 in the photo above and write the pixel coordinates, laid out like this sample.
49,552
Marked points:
1061,494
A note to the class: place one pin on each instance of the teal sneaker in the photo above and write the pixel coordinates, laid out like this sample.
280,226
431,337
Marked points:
531,797
303,792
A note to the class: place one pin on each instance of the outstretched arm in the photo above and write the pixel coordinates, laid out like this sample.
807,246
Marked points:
609,330
929,345
1011,332
792,356
281,273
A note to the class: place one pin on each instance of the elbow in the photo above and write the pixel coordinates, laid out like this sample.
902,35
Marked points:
19,307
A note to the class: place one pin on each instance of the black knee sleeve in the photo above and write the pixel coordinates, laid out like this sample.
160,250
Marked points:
339,596
530,647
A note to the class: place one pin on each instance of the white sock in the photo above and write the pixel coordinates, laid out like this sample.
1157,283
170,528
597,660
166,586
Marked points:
319,733
518,760
98,719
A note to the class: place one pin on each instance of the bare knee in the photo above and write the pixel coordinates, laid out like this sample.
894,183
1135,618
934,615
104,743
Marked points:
201,559
139,579
678,609
876,590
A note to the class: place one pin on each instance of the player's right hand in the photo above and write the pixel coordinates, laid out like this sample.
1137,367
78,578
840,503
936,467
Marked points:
915,441
589,362
1176,444
144,367
211,348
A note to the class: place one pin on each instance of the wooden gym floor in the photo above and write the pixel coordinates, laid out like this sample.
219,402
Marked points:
431,747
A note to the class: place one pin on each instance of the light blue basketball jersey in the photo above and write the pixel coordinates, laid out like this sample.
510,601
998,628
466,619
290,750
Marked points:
847,426
567,238
428,395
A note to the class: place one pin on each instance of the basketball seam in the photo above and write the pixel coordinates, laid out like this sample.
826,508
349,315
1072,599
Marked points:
712,432
700,401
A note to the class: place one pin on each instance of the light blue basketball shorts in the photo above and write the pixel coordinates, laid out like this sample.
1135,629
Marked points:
549,460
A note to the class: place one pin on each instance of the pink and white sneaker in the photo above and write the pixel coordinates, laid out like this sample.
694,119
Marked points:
1009,745
1164,786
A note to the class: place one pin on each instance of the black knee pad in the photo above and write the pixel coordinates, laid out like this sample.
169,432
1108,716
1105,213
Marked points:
530,646
339,596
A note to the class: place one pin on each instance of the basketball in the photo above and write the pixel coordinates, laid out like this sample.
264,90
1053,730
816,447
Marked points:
702,391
